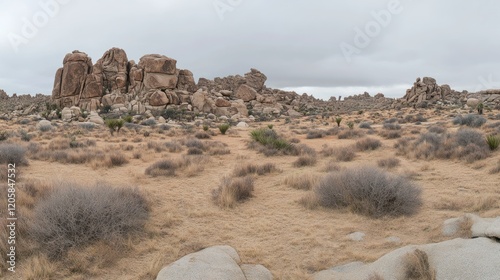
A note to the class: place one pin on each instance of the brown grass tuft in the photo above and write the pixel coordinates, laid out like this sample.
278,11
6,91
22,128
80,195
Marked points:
417,266
233,190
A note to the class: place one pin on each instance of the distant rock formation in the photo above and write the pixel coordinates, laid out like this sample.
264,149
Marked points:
3,94
426,91
155,83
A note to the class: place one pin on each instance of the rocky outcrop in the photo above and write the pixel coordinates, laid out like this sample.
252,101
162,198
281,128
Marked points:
3,94
155,83
427,92
218,262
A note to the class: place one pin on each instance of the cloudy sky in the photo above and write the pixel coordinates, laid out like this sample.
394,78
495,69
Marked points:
322,47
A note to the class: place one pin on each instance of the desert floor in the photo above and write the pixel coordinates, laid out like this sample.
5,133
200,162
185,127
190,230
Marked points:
271,228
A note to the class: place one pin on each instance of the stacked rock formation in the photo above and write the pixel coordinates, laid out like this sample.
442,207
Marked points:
155,83
426,92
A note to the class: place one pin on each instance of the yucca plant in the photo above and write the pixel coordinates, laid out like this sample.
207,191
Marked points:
338,120
224,127
493,141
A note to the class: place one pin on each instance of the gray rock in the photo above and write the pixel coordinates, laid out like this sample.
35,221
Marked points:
256,272
356,236
215,263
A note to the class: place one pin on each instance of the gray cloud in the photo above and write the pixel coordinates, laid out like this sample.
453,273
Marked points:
295,43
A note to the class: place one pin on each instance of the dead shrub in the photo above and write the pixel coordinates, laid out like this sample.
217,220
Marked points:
390,134
173,147
194,151
163,167
117,159
305,161
73,216
350,134
315,134
232,191
417,266
331,166
388,162
369,191
368,144
202,135
12,154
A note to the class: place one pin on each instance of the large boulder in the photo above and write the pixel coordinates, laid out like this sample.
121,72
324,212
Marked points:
186,81
76,66
255,79
214,263
201,102
156,63
246,93
454,259
3,94
158,98
217,263
112,67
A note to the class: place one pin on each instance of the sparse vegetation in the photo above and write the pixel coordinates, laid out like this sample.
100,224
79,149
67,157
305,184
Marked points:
366,144
247,169
114,125
233,190
12,153
388,162
369,191
223,128
493,141
271,142
338,120
302,181
73,216
305,161
314,134
470,120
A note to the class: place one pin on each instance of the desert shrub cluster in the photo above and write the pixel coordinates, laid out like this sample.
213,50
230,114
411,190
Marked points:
268,142
470,120
12,153
369,191
73,215
466,144
249,169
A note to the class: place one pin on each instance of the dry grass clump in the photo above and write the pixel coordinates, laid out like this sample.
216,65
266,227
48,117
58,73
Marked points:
496,169
202,135
117,159
244,170
305,161
390,134
12,153
344,153
369,191
436,129
157,147
192,164
173,146
331,166
233,190
194,151
368,144
470,204
164,167
388,162
350,134
73,216
365,125
302,181
417,266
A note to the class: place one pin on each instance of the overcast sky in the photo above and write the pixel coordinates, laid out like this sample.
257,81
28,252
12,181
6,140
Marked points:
323,47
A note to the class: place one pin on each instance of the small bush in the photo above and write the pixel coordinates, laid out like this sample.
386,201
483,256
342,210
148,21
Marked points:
302,181
388,162
3,135
305,161
437,129
470,120
162,168
314,134
173,146
12,153
272,142
368,144
73,215
232,191
194,143
25,136
391,126
365,125
202,135
87,126
128,119
350,134
369,191
44,127
223,128
390,134
344,154
493,141
338,120
117,159
194,151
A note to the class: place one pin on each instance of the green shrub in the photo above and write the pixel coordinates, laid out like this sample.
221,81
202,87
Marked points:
350,125
272,141
128,119
224,127
205,127
114,125
493,141
338,120
270,126
25,136
3,135
369,191
73,215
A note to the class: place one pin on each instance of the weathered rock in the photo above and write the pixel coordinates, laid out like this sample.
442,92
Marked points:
76,66
3,94
455,259
66,114
255,79
160,81
201,102
219,262
186,81
221,102
158,98
95,118
246,93
242,124
155,63
44,125
472,102
356,236
112,68
256,272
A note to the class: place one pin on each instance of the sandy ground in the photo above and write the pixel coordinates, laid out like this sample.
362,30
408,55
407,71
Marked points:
272,228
